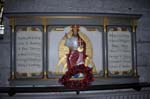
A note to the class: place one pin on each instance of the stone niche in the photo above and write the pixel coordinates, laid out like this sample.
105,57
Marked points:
38,50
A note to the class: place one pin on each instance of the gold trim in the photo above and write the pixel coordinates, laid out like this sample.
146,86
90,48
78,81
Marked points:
45,28
72,17
59,17
44,22
59,29
12,75
45,76
105,22
106,72
121,72
29,29
134,24
12,23
119,29
91,29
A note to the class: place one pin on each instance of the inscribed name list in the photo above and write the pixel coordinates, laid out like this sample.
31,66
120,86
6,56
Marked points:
119,51
29,52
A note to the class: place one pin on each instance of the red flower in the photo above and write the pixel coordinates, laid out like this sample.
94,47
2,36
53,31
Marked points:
77,84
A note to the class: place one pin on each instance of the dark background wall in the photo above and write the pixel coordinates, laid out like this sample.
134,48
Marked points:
100,6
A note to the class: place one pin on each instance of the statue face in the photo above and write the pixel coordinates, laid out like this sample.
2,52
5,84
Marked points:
75,30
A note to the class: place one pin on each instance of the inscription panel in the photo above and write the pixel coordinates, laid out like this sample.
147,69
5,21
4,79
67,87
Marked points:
29,52
119,51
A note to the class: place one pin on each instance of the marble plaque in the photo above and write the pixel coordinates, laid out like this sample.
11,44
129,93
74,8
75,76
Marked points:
29,51
119,51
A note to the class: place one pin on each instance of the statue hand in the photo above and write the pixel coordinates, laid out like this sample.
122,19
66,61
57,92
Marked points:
80,49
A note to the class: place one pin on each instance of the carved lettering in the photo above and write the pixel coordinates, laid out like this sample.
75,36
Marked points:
29,51
119,51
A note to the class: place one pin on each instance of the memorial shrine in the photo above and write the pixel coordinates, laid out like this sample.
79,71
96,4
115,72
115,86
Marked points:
64,49
45,47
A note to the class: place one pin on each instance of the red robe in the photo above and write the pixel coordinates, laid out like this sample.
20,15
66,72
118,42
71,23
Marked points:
75,57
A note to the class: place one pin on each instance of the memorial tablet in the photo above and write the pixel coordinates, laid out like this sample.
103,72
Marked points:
29,52
119,51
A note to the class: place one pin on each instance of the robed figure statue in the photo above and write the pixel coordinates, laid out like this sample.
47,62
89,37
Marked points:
78,75
73,50
77,49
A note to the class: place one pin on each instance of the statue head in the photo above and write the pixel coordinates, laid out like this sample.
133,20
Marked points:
75,29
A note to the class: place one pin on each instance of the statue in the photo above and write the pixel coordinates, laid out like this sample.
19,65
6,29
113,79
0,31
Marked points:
77,48
76,54
78,75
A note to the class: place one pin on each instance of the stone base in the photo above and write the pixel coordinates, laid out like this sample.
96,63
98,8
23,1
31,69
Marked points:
54,82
